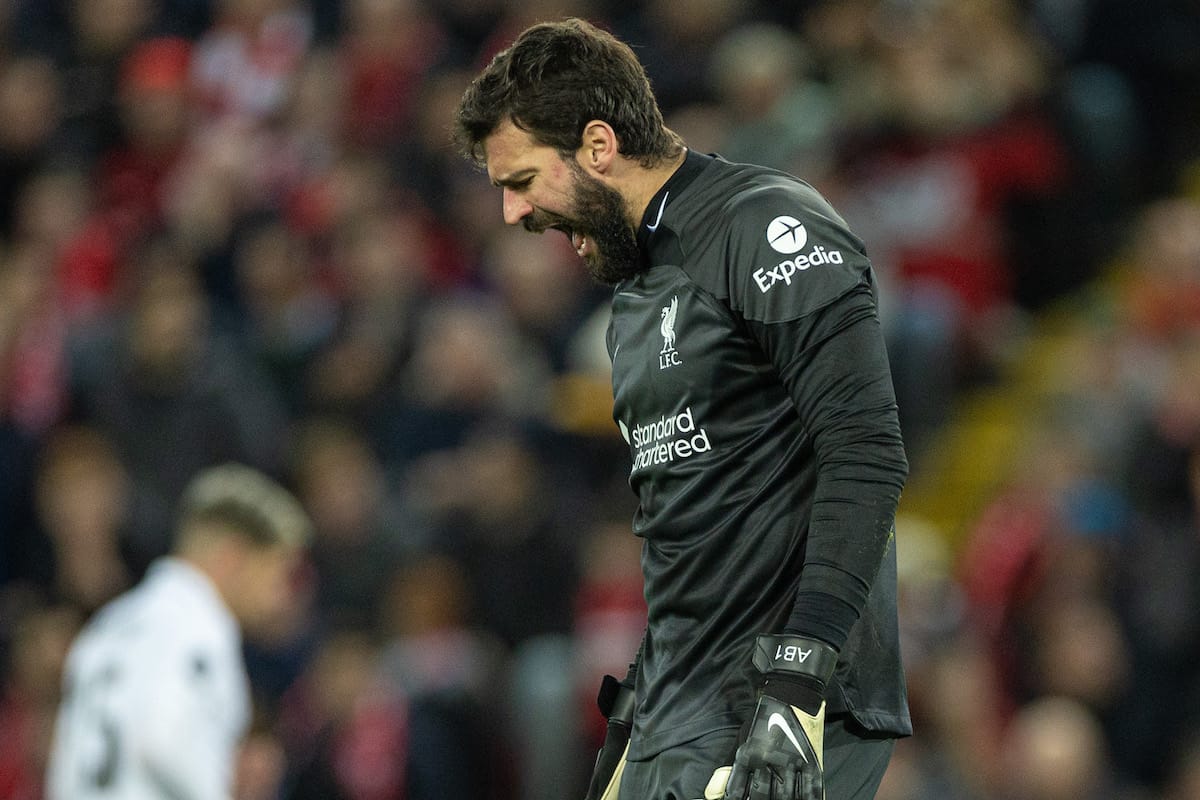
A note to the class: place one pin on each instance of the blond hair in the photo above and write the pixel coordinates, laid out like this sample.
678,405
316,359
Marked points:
244,499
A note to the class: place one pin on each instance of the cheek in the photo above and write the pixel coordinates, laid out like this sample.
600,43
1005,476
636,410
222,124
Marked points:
559,189
280,581
272,583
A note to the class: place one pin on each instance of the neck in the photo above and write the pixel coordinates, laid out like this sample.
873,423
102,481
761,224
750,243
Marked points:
214,558
645,183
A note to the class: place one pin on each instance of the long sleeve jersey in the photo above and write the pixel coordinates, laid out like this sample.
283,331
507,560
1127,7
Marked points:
752,386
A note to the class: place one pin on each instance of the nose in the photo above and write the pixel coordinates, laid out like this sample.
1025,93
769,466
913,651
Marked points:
516,208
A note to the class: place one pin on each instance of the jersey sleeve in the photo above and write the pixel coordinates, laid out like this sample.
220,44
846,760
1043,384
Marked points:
803,284
834,366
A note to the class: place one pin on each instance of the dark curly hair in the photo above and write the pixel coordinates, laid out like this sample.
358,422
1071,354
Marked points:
554,79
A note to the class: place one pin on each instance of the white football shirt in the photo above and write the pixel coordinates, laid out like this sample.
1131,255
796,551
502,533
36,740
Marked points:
155,696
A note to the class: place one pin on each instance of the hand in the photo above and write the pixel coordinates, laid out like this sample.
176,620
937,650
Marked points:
616,701
781,755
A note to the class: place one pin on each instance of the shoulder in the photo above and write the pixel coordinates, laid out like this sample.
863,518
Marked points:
744,194
772,245
174,607
770,209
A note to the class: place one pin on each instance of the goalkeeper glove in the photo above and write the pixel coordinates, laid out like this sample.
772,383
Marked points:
616,701
780,757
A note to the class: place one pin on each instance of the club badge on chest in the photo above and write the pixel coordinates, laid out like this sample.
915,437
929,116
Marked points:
669,357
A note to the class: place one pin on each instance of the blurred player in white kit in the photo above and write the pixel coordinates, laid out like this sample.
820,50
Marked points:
156,698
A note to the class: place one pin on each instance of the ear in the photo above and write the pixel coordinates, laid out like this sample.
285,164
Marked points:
598,148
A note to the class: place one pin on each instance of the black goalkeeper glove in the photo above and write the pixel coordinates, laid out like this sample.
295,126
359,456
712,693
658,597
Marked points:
616,701
780,757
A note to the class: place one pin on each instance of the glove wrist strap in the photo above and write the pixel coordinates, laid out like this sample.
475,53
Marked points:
800,691
795,655
795,669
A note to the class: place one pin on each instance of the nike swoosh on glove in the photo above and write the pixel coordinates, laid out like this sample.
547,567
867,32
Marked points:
781,755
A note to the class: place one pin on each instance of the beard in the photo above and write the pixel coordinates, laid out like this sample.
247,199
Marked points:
597,213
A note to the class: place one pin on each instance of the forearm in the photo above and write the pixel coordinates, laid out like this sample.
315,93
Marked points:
862,471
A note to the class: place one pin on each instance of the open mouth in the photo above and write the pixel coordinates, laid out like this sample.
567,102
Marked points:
579,241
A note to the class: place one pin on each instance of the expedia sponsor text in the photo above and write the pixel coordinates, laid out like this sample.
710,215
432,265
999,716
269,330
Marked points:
784,270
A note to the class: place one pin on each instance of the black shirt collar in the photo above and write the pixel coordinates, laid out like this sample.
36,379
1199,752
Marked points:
693,164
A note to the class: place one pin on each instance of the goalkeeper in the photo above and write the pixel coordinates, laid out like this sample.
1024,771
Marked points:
751,383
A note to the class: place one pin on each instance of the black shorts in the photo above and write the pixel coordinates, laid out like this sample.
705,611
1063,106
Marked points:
855,761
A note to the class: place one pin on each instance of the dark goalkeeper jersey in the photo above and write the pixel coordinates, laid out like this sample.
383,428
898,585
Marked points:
751,384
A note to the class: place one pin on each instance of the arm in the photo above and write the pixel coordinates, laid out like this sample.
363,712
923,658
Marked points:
813,314
834,366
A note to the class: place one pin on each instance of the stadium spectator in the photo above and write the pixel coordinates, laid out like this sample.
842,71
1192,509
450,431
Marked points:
84,503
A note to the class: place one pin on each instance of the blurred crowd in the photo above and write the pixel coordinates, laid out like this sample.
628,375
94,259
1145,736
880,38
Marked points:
1055,652
236,230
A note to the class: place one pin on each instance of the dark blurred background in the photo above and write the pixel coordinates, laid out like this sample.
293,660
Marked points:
235,229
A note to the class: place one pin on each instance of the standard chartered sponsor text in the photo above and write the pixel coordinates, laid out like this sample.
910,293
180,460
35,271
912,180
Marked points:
668,439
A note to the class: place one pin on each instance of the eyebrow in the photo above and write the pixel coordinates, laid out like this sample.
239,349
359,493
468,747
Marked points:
515,178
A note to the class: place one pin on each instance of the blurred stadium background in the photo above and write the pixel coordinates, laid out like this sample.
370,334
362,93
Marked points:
234,229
